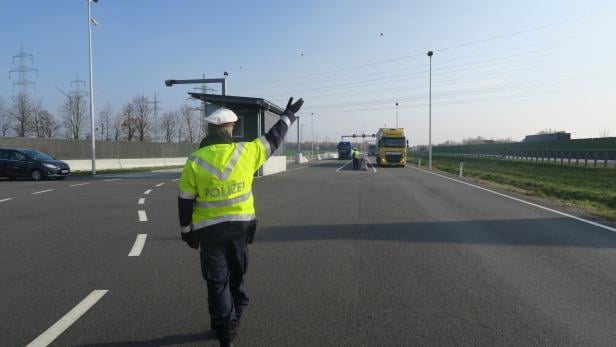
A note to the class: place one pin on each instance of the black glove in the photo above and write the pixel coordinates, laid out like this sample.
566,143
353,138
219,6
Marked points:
189,238
252,230
294,107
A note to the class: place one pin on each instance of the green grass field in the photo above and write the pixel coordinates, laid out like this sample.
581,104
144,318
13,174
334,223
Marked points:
591,188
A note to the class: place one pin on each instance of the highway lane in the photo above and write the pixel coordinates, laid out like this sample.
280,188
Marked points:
393,257
58,246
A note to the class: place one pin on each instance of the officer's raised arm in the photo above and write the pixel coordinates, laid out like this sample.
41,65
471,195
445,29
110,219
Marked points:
277,133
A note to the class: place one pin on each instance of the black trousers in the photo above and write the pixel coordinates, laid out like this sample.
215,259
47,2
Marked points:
355,164
223,264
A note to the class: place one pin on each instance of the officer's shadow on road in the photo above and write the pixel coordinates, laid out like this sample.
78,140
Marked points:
171,340
557,231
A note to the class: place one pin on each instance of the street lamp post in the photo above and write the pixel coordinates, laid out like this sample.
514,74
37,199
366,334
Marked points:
430,53
92,130
396,114
299,146
312,141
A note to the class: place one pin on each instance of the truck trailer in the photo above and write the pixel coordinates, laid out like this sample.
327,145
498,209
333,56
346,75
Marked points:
391,147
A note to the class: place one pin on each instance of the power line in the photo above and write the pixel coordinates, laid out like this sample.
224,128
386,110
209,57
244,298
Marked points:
442,63
466,67
384,61
504,87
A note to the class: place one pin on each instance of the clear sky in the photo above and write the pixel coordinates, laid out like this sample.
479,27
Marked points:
500,68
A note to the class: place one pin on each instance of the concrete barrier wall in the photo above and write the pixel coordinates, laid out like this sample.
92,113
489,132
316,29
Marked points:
274,165
121,155
81,149
114,164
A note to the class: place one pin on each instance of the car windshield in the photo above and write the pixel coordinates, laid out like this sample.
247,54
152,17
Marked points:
36,155
393,142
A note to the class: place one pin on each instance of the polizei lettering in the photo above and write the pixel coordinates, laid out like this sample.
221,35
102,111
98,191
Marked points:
225,190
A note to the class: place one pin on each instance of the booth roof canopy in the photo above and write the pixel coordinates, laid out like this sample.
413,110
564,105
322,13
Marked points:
237,100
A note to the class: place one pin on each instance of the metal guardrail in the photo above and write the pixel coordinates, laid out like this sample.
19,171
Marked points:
603,158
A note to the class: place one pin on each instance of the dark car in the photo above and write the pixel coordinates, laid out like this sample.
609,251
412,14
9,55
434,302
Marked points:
20,162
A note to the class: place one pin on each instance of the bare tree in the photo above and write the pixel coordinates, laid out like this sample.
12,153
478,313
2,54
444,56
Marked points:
179,127
142,109
105,119
74,112
48,124
44,123
116,127
550,131
21,113
169,123
128,120
5,120
192,126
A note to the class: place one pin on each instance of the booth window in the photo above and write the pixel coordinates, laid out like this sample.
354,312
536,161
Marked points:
238,129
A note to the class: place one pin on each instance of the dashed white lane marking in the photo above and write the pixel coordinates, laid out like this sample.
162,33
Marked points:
147,192
138,245
347,163
79,184
369,162
523,201
160,184
65,322
142,216
141,201
42,191
175,180
298,168
113,179
7,199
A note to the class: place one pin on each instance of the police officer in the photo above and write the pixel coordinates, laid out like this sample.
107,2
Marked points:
216,210
355,156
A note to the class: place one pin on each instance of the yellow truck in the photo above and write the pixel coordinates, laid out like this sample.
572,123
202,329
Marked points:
391,147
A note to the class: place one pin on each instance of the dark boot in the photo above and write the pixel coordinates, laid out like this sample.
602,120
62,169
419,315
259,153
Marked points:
225,338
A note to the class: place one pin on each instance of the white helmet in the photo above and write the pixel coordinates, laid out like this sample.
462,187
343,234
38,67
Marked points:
221,116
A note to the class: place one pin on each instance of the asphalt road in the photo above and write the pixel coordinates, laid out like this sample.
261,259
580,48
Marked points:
392,256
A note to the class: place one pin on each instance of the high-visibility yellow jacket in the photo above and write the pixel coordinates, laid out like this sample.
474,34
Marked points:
219,177
356,154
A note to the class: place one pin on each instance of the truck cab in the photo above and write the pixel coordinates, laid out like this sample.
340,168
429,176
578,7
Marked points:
391,147
372,149
344,150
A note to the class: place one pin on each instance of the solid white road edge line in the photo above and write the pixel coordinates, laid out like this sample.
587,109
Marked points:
138,245
113,179
347,163
42,191
147,192
524,201
369,162
160,184
7,199
141,201
142,216
79,184
175,180
65,322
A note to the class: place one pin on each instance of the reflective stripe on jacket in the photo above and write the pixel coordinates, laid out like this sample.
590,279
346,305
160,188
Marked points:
219,177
